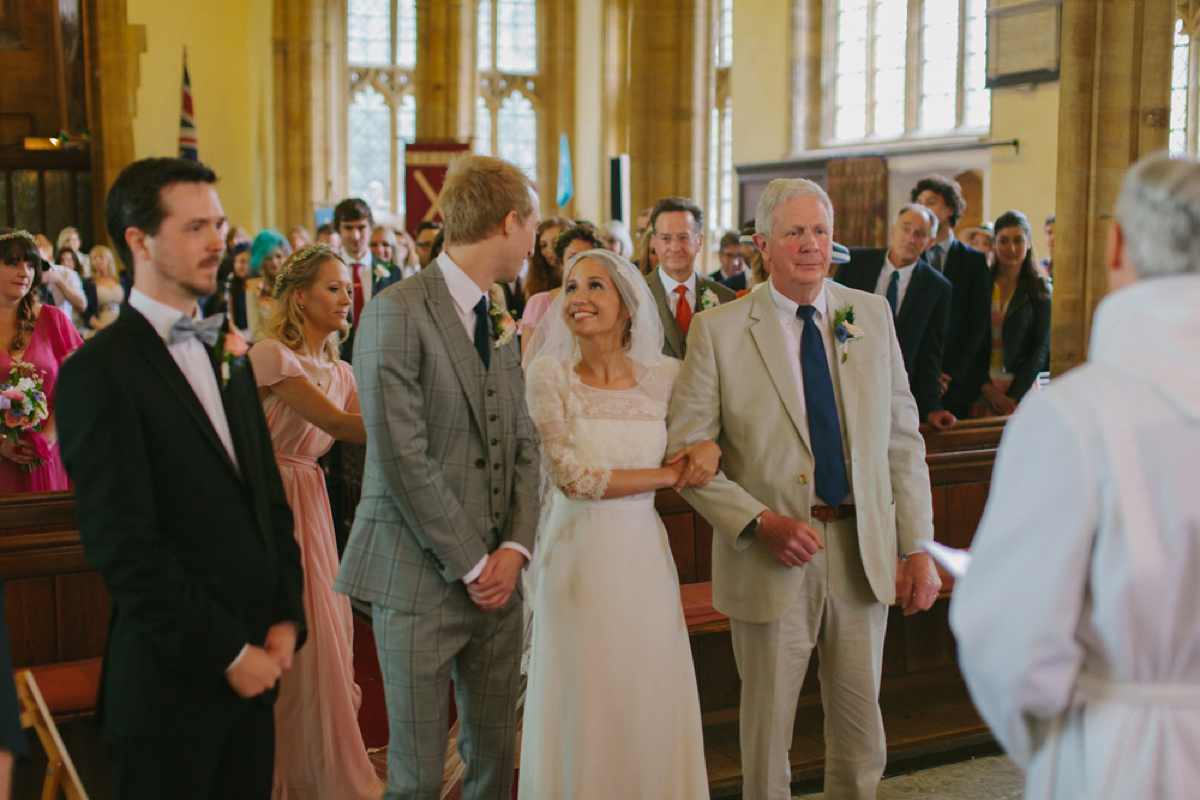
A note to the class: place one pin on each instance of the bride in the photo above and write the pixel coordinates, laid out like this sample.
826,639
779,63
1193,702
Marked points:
612,708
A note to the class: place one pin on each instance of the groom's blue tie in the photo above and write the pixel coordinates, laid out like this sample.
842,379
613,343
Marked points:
823,427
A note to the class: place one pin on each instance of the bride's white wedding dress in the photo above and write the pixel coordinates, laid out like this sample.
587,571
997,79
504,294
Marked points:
612,709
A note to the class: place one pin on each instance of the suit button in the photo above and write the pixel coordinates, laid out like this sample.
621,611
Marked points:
490,392
495,442
802,479
479,462
495,515
495,466
496,491
491,418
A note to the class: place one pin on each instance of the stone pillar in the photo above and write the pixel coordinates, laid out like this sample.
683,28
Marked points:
1114,108
308,119
670,64
114,47
445,84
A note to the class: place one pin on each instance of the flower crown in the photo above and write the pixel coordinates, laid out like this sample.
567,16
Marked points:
4,237
295,258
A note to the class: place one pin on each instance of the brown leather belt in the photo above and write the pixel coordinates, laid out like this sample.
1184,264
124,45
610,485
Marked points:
827,514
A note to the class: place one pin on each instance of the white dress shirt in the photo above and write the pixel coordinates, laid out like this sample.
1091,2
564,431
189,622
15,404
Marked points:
194,362
466,295
885,277
793,328
366,273
670,284
60,299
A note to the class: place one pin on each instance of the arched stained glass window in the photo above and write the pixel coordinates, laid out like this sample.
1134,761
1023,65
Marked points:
506,117
517,133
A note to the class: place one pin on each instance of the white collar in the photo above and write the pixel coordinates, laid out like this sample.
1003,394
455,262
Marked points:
907,268
787,306
367,261
160,315
463,291
670,283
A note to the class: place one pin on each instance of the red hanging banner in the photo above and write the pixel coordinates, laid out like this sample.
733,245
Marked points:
425,164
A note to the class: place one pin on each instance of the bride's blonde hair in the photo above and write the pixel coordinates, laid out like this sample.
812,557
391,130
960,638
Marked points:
300,272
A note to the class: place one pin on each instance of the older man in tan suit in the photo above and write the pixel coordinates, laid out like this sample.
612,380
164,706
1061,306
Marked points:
823,498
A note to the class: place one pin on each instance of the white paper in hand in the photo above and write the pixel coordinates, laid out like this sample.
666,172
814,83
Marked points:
951,559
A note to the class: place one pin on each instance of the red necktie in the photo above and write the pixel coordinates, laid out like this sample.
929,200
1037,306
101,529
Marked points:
358,292
683,310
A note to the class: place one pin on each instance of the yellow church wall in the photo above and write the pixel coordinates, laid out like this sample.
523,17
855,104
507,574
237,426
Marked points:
760,81
589,160
229,61
1025,181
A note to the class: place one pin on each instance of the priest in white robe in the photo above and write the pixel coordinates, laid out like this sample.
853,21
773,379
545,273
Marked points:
1078,622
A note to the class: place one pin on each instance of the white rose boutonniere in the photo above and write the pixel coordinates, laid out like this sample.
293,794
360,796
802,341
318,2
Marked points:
708,298
504,327
380,271
845,330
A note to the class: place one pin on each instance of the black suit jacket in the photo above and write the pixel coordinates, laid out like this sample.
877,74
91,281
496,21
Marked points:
1025,337
197,554
968,351
920,324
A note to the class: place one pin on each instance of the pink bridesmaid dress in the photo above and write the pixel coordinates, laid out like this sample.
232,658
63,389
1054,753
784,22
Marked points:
52,340
319,751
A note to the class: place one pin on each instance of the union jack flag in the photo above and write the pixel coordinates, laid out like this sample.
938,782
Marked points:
188,145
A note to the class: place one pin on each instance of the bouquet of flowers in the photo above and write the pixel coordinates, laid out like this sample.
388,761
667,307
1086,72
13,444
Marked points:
23,402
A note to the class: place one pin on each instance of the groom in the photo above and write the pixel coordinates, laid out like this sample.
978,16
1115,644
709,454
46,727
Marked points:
823,497
449,500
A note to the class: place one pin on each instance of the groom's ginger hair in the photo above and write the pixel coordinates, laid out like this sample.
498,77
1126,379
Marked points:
478,194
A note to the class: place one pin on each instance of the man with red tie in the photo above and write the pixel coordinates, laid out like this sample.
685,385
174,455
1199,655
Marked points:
353,222
677,225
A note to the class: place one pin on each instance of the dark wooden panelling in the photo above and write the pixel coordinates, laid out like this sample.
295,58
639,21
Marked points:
31,621
81,605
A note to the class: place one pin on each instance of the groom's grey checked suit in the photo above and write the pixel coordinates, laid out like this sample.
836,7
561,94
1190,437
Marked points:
451,474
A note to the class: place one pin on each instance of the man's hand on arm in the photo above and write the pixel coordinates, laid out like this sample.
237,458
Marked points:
281,643
792,542
495,584
917,583
253,672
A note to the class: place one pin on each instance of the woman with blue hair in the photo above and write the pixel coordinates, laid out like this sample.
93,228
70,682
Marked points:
267,254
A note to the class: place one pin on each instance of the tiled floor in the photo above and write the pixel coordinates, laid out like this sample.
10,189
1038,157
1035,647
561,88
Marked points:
992,778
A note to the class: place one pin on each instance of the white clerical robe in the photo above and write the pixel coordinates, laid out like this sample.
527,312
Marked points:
1078,622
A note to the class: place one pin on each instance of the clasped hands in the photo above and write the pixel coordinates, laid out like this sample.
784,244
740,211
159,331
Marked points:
495,584
259,668
695,464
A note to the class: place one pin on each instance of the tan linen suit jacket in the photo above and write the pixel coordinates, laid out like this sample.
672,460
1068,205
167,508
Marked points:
737,387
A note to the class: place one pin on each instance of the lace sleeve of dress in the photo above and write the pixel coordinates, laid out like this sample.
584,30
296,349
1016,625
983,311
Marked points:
547,388
273,361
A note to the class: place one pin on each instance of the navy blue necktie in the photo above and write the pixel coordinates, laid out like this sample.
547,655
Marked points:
823,427
483,336
893,292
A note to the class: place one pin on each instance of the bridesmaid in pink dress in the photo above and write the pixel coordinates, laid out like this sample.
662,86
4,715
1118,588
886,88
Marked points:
35,334
310,399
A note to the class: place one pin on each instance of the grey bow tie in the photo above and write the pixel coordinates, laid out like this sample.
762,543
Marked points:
206,330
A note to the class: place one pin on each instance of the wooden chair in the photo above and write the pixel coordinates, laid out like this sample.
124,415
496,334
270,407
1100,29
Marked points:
60,772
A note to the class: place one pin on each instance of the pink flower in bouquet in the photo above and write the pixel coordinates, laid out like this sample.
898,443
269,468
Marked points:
13,393
13,421
235,345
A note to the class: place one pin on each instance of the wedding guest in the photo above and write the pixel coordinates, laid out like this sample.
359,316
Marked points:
393,251
309,399
1020,319
982,239
600,721
1078,622
427,231
181,509
230,297
544,274
235,235
62,287
106,293
41,336
617,238
299,237
1047,263
647,256
327,235
69,237
267,255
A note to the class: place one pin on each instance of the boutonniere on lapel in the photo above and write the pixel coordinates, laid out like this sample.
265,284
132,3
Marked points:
845,330
504,327
231,352
708,298
380,271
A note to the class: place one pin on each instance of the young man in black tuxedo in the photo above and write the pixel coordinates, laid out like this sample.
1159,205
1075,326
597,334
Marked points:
181,508
969,335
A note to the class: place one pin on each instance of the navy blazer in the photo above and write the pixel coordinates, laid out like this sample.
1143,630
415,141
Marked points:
735,282
921,323
968,354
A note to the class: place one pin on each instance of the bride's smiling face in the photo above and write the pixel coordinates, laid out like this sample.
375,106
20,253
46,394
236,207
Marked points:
592,303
